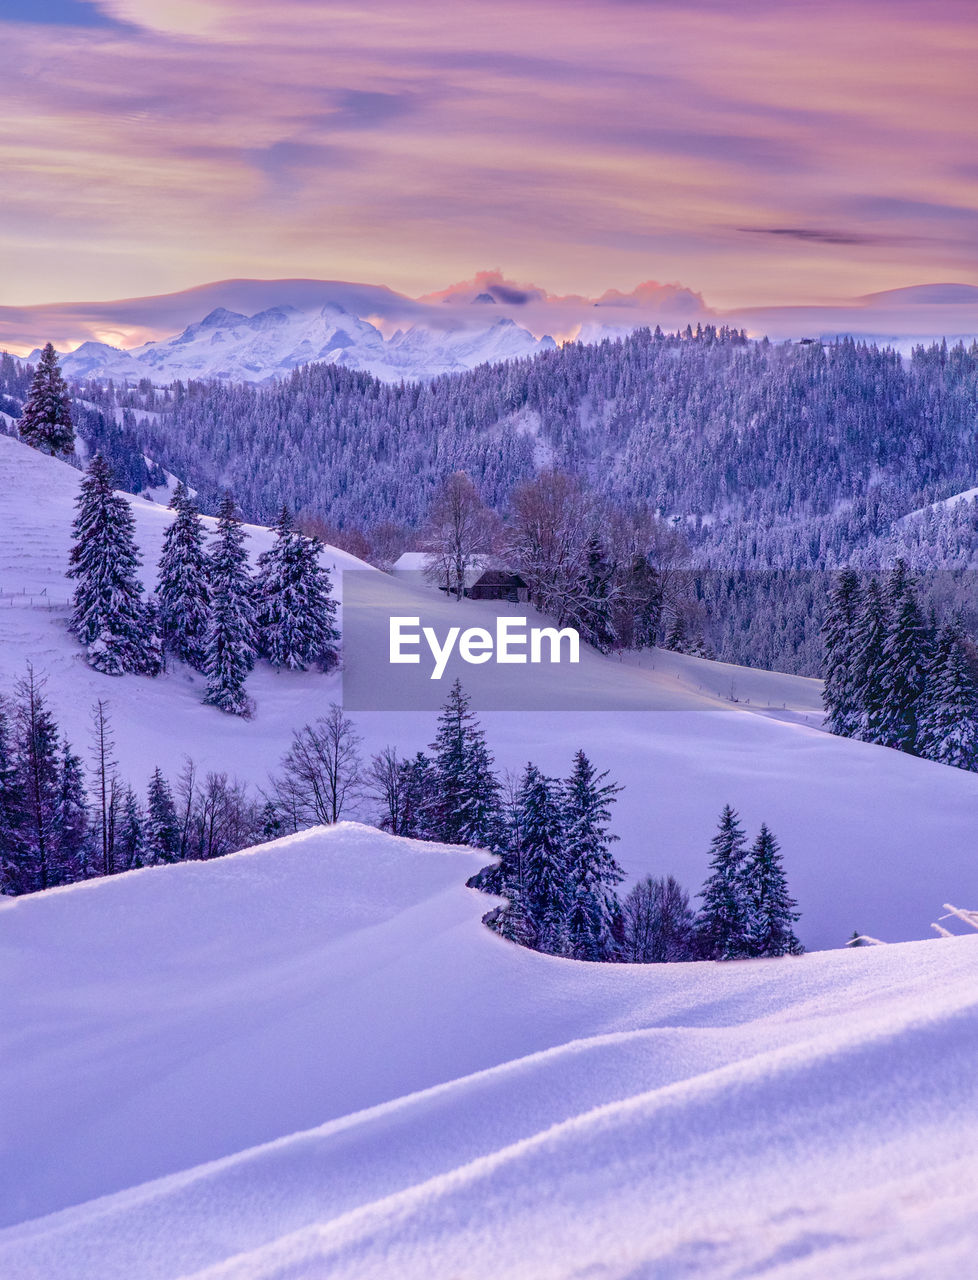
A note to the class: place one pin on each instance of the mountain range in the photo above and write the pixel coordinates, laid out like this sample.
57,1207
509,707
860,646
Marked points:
228,346
255,330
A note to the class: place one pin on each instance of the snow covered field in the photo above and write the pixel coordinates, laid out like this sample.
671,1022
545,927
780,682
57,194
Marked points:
312,1060
873,840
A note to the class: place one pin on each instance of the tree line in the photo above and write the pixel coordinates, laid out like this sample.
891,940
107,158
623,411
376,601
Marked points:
208,611
63,819
895,675
61,822
553,845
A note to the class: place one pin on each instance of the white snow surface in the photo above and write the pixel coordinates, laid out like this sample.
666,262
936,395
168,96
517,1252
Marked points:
311,1060
873,840
260,348
944,504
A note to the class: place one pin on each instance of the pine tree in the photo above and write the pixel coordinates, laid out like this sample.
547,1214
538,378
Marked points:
772,913
867,680
643,593
154,658
507,878
130,843
591,608
270,822
183,590
36,750
723,922
46,419
162,828
466,809
592,871
677,639
839,694
296,610
11,806
229,650
106,786
420,790
947,729
545,895
108,617
904,667
72,821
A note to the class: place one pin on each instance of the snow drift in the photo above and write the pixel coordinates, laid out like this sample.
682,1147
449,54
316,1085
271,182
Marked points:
311,1059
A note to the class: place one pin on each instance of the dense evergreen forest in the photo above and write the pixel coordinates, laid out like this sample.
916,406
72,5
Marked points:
790,459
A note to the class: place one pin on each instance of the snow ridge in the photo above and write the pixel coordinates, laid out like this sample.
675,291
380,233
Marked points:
338,1071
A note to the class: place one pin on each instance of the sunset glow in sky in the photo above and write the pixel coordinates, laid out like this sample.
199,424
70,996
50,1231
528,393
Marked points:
756,152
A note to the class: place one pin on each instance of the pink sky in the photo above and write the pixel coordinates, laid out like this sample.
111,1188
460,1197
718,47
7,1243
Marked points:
757,152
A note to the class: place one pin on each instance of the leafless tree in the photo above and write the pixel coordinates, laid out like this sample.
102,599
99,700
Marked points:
658,922
186,793
106,784
460,533
387,782
322,773
387,543
216,818
552,520
350,538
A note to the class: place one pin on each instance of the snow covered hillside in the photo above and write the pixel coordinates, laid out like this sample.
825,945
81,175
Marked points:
874,840
238,348
310,1059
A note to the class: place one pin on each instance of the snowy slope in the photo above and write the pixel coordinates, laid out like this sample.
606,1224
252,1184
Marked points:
945,504
874,840
383,1088
271,343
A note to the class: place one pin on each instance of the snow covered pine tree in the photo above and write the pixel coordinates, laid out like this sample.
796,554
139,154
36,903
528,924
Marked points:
592,871
45,422
229,650
772,910
839,695
109,616
947,723
162,829
539,818
296,610
903,673
466,809
183,588
723,923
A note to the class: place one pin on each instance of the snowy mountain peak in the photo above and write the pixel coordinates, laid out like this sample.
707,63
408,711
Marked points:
217,318
230,346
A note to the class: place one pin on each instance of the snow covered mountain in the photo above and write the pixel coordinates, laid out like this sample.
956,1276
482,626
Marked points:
921,313
238,348
310,1059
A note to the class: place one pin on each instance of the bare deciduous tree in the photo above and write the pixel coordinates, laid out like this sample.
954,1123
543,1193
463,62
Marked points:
657,922
552,522
387,782
387,542
460,534
216,818
322,774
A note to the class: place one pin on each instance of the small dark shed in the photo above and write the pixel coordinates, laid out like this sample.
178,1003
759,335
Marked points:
499,584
